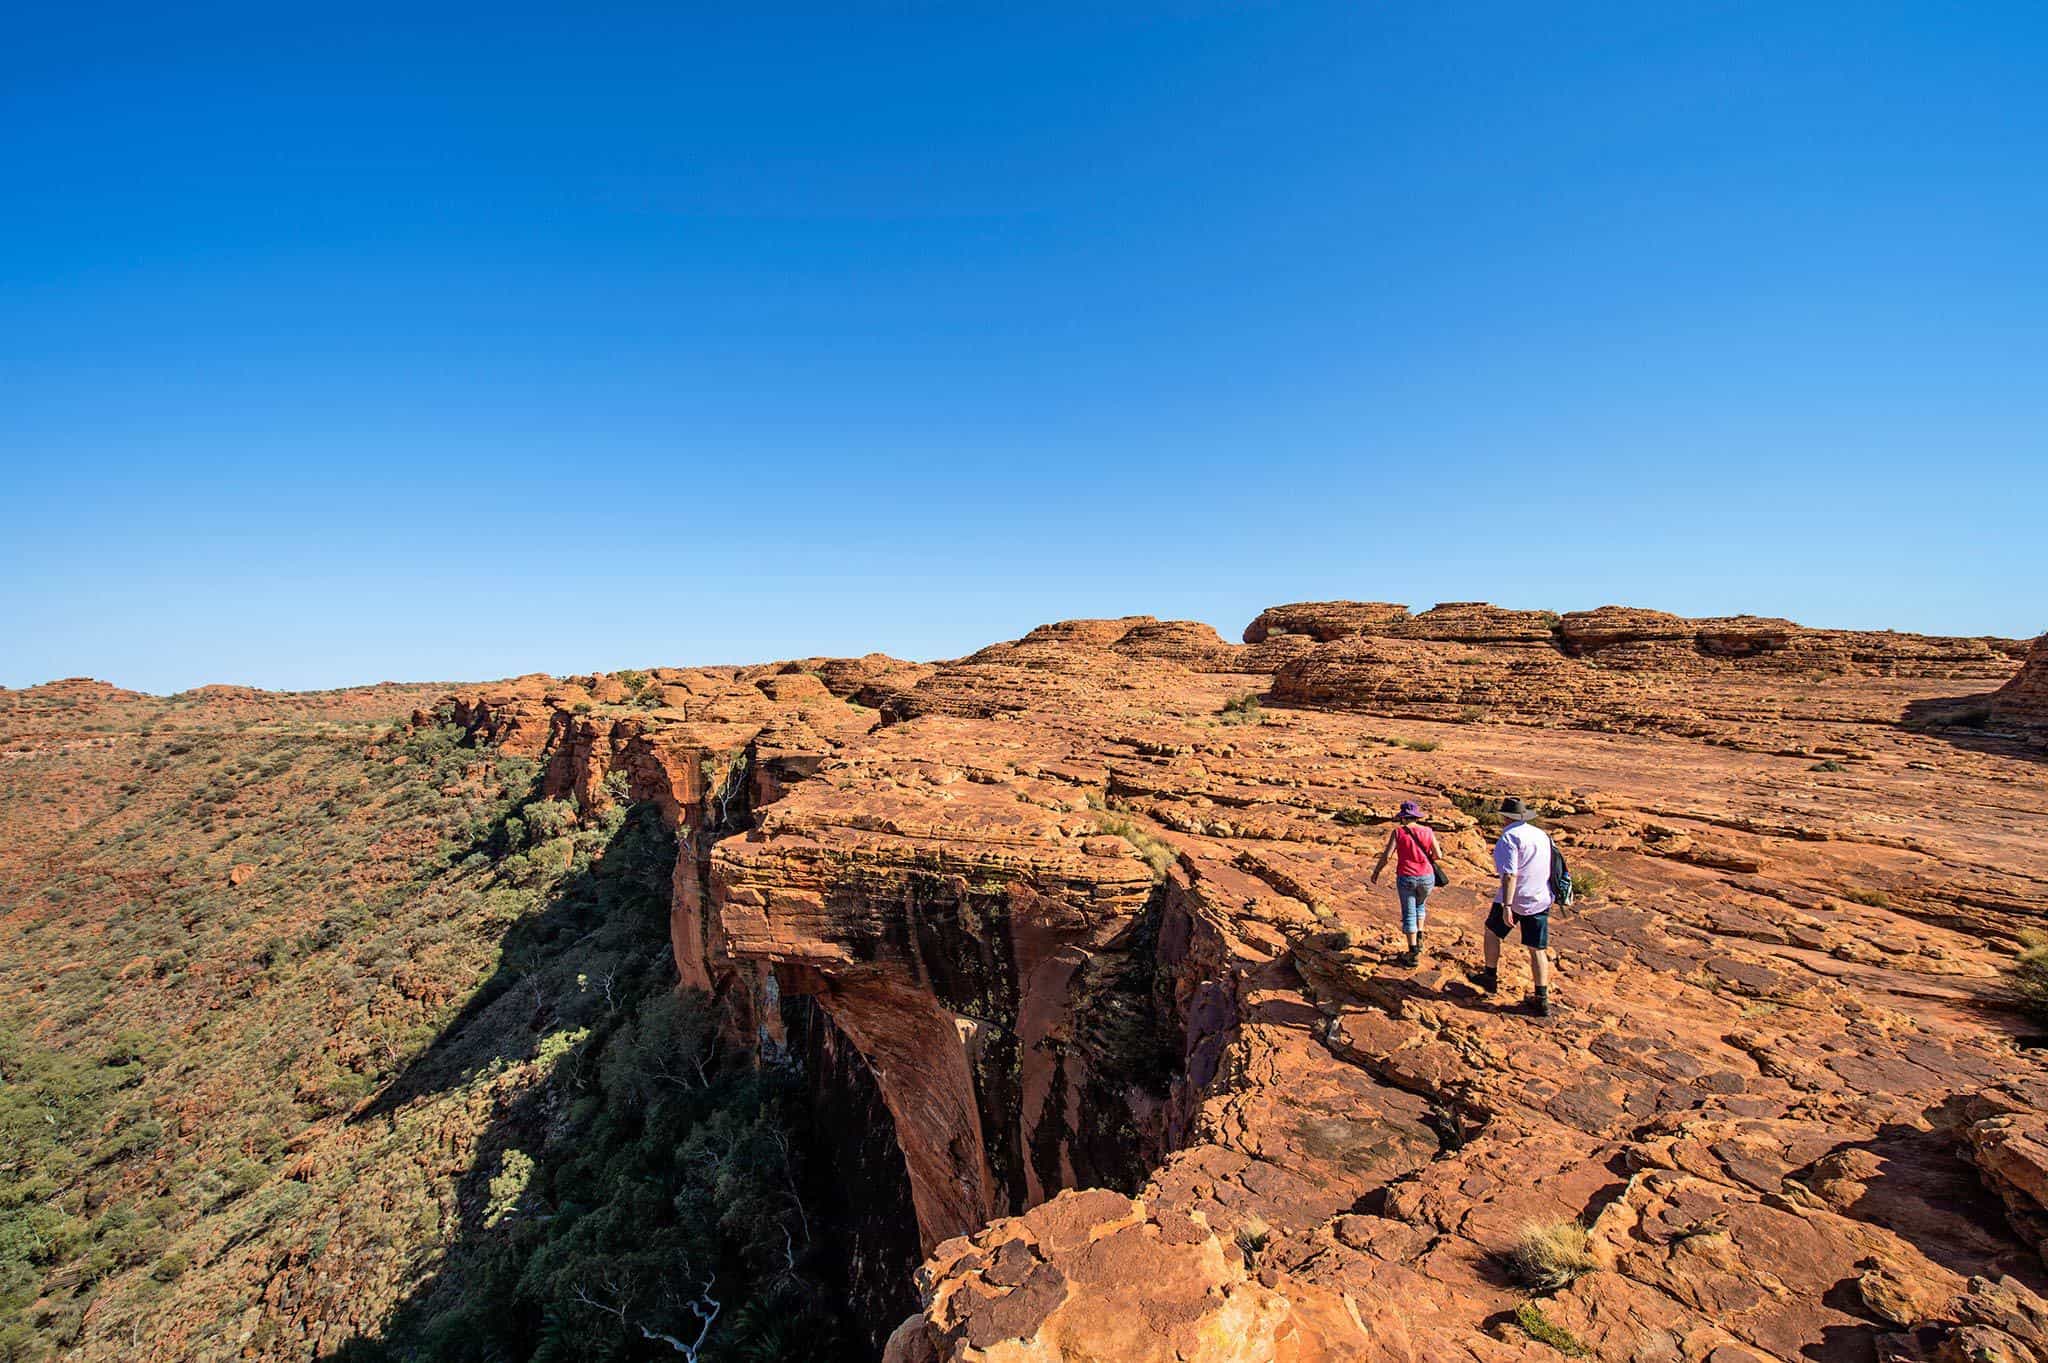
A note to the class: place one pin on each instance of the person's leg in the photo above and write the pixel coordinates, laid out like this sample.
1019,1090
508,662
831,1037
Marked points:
1423,886
1414,901
1536,936
1490,940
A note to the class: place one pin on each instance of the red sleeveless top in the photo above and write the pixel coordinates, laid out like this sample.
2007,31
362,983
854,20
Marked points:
1414,845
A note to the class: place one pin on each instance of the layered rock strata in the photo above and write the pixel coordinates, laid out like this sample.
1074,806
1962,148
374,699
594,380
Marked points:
2023,701
1615,668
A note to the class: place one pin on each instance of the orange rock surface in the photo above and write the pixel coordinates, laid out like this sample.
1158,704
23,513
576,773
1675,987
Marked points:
2023,701
1102,937
1111,953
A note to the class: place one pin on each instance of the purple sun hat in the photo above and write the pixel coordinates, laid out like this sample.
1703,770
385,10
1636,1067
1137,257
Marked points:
1410,810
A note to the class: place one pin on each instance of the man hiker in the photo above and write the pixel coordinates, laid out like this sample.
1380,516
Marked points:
1522,856
1412,845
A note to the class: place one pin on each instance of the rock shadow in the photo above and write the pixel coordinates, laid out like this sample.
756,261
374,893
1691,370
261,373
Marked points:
661,1184
504,1020
1917,1184
1967,722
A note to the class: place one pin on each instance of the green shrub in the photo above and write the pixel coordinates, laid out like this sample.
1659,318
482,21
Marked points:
1485,809
545,819
1589,882
1351,816
1531,1321
1242,710
1155,852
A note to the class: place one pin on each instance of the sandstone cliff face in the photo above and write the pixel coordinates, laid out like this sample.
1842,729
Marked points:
1617,668
2023,701
1108,953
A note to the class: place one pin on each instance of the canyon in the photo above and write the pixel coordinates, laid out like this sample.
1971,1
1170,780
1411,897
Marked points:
1077,941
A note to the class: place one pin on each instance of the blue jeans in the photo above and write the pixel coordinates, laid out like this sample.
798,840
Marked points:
1413,892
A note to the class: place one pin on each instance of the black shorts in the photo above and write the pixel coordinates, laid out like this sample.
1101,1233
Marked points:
1535,927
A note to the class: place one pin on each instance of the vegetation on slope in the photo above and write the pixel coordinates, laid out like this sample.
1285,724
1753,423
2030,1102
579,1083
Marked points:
306,1018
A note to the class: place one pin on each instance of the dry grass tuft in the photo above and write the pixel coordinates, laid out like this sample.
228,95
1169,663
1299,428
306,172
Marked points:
1550,1255
2029,975
1253,1237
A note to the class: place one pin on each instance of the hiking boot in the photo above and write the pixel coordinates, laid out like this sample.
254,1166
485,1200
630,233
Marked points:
1410,958
1487,980
1539,1004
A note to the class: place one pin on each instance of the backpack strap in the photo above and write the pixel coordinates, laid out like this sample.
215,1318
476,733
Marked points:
1428,854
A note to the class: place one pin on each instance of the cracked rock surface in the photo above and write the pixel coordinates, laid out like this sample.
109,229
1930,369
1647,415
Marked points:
1096,907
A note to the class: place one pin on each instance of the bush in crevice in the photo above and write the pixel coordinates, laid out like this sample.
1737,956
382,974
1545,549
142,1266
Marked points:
2029,974
1531,1321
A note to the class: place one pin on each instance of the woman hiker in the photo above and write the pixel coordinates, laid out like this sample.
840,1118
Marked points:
1412,845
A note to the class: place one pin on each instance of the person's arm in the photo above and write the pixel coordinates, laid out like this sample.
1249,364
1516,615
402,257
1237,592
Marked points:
1381,864
1504,862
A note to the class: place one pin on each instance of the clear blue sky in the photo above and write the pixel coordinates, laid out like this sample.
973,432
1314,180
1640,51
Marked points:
341,343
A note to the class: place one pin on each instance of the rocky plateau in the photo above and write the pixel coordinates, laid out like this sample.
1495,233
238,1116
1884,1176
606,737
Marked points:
1103,936
1089,916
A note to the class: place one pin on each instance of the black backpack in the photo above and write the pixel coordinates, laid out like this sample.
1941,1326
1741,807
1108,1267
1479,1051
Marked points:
1560,875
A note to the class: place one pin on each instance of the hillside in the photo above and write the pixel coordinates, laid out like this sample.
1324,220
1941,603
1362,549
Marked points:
605,1017
232,923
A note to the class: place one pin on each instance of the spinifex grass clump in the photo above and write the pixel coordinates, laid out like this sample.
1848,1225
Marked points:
1157,854
2029,973
1550,1255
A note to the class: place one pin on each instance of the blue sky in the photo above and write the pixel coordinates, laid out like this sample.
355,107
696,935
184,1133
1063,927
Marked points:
341,343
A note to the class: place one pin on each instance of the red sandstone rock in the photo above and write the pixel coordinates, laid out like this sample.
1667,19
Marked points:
1114,961
1093,1276
1187,642
1270,653
1474,622
2023,701
1324,620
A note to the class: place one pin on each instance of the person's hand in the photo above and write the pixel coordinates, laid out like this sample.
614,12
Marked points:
1375,877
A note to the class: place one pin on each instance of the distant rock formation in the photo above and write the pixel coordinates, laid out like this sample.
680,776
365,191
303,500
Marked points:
2023,701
